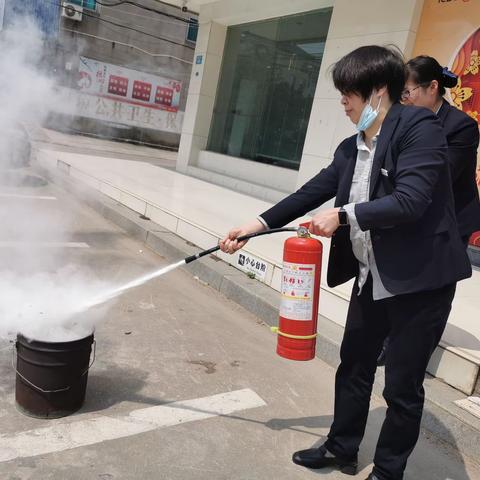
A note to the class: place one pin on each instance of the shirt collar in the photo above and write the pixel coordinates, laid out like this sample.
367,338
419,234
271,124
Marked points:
361,145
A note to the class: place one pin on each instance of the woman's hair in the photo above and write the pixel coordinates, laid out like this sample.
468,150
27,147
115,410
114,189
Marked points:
370,68
423,69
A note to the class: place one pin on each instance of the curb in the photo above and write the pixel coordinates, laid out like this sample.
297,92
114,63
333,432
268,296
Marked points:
442,418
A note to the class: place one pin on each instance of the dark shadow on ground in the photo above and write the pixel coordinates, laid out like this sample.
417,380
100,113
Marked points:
113,385
463,339
421,461
323,421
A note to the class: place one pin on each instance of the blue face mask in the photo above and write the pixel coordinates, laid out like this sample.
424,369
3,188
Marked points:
368,116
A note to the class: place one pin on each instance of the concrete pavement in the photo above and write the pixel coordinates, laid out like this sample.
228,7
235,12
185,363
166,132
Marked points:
201,212
193,204
175,339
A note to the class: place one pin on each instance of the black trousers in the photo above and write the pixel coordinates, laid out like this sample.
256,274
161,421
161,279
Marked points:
414,323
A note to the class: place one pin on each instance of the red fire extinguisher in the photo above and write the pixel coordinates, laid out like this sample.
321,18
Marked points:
302,265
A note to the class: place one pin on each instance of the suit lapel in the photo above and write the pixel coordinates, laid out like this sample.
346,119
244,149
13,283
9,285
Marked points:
388,127
343,194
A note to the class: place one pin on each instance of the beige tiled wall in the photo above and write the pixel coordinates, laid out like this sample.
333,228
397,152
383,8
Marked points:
353,24
201,94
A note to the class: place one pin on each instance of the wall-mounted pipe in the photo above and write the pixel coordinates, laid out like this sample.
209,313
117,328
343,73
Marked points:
155,55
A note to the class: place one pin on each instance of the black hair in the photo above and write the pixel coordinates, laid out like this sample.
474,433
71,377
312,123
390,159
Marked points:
424,69
370,68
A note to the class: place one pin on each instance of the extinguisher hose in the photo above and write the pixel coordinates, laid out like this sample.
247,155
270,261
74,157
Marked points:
241,239
302,230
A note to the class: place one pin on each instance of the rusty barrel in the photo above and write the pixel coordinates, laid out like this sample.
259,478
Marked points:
51,378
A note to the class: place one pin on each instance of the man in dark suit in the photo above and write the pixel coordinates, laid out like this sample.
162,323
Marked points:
393,228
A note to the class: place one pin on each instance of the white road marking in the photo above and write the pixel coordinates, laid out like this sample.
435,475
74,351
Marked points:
65,436
16,244
27,197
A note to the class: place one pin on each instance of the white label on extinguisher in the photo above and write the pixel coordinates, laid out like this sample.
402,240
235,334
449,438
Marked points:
298,282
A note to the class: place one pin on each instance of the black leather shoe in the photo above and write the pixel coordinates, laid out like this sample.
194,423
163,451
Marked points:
372,477
321,458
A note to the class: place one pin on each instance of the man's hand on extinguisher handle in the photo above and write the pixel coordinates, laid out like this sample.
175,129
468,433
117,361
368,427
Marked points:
325,222
230,244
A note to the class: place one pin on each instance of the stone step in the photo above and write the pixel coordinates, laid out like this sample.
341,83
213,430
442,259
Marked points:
253,189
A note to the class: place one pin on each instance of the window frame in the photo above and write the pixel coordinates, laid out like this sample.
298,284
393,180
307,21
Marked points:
192,21
81,3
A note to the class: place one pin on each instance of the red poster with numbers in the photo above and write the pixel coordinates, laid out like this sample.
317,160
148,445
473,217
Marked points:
123,84
141,90
118,85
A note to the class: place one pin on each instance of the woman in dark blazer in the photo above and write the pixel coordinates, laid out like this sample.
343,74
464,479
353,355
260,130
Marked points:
393,227
425,87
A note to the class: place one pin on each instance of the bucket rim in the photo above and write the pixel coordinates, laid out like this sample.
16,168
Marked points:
26,341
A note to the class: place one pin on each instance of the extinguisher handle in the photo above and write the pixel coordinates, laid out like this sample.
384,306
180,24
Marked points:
240,239
306,225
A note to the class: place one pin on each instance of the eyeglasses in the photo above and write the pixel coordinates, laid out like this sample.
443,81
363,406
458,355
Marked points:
406,93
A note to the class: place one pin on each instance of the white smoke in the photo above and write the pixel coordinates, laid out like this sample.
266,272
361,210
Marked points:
38,295
26,94
45,306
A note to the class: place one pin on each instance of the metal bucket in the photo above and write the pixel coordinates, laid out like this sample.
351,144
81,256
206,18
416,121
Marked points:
52,377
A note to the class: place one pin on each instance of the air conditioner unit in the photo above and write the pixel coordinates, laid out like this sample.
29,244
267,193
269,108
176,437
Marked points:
72,11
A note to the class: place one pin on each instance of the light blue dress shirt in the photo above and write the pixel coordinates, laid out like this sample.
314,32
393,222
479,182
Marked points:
362,241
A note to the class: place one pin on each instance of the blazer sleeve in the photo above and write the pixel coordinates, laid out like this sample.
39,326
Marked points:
462,147
321,188
421,158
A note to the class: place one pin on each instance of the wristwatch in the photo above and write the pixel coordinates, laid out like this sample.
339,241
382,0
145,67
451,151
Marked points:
342,217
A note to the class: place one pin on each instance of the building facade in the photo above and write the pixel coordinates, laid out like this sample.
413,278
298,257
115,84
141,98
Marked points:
148,49
261,105
47,14
262,115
